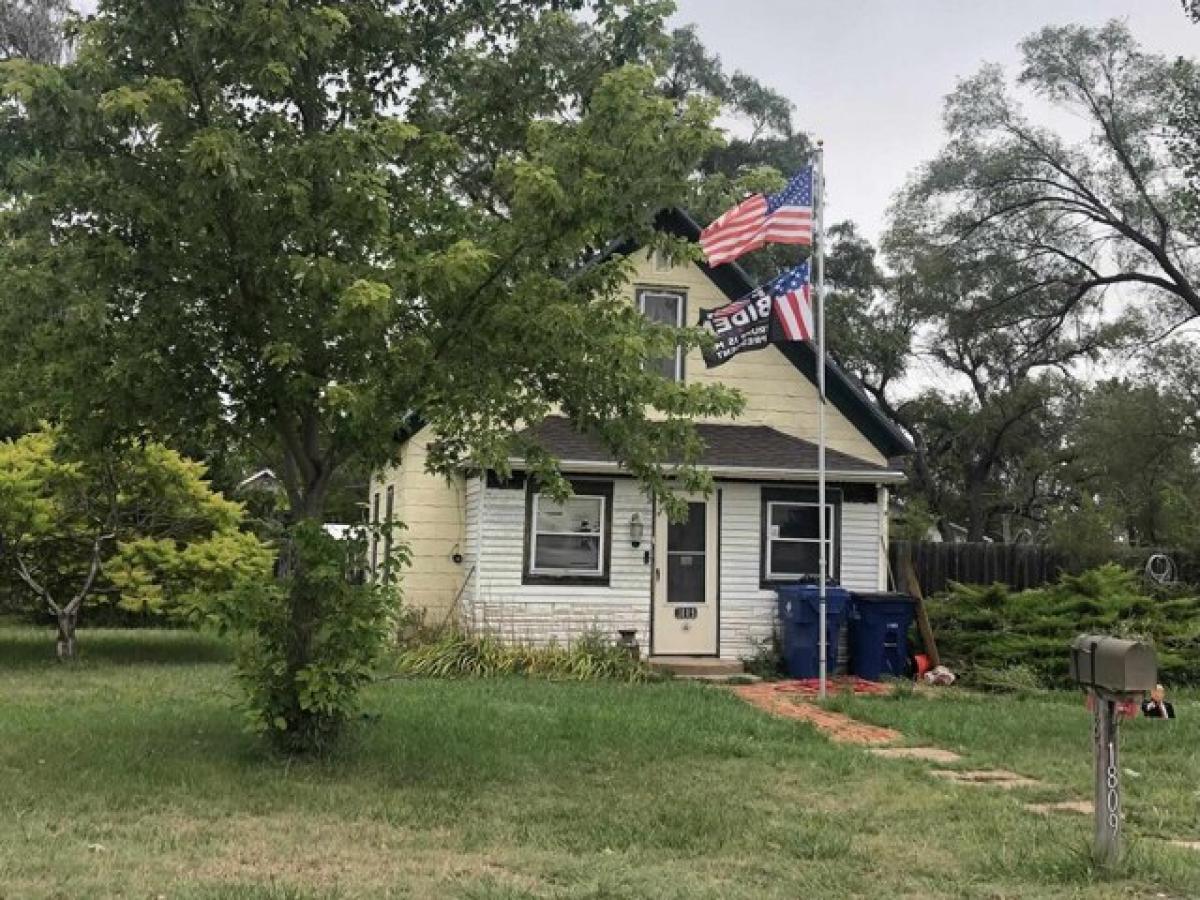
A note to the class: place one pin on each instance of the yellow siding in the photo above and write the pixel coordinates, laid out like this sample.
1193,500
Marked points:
431,508
777,394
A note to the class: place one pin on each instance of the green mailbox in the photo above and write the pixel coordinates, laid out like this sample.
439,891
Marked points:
1111,670
1113,665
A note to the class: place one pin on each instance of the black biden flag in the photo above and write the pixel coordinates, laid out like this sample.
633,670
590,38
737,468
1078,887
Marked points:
778,312
742,325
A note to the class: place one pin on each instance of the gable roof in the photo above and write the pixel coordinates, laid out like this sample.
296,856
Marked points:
261,478
842,389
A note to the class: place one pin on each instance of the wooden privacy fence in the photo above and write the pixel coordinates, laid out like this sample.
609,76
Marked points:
1021,566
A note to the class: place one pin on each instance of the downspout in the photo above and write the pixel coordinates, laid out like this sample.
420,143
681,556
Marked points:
884,539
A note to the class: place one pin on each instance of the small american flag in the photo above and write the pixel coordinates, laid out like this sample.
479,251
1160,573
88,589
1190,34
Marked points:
783,218
792,296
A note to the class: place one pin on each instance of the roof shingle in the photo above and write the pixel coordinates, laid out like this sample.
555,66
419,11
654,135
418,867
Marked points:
726,446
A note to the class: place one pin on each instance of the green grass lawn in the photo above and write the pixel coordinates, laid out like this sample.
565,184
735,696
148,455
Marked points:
1048,736
130,775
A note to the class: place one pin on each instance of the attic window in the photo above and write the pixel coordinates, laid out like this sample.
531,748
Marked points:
662,263
667,308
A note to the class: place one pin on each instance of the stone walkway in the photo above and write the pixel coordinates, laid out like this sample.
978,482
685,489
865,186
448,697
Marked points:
1000,778
924,754
1080,807
789,699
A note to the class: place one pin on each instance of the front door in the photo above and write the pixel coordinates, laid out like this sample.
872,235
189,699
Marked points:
685,581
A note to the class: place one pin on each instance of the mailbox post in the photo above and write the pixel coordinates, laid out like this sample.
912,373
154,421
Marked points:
1111,670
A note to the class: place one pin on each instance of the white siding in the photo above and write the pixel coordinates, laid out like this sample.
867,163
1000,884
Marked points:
862,546
747,610
540,613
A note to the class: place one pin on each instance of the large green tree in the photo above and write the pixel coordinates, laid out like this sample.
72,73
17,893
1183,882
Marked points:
1093,214
1134,464
34,29
994,377
308,222
1015,256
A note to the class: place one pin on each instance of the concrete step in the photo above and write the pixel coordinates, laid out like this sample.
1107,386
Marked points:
704,667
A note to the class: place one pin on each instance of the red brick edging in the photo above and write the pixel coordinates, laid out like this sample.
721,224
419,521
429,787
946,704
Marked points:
780,699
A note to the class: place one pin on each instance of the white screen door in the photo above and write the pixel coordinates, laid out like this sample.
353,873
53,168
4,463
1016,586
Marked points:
685,581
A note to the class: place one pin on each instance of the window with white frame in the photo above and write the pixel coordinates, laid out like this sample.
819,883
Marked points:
570,538
666,308
792,537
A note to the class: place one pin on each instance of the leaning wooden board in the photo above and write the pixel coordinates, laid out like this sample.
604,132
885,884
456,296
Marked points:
913,587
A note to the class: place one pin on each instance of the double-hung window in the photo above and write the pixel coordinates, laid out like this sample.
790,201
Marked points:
666,308
570,539
791,536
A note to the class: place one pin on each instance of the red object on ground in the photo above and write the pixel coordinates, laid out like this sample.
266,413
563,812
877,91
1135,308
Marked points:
811,687
922,662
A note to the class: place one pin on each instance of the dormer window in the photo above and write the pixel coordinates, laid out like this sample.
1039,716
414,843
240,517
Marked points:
666,307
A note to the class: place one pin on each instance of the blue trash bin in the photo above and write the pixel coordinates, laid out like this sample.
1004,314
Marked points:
879,634
800,626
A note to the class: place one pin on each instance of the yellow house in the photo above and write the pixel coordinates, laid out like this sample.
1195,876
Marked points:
503,558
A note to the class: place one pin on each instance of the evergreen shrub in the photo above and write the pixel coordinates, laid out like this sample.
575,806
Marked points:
985,630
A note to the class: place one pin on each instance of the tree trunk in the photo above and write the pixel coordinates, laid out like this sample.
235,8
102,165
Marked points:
66,647
306,728
976,511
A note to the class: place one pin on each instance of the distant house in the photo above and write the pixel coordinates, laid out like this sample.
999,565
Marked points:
501,556
262,480
265,482
957,534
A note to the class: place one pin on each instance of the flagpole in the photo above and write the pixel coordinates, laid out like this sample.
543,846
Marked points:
821,509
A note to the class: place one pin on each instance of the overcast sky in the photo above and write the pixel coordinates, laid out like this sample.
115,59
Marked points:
869,76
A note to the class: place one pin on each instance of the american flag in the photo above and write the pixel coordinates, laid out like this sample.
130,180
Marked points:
792,295
783,218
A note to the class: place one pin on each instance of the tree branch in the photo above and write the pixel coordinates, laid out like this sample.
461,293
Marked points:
27,577
93,571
